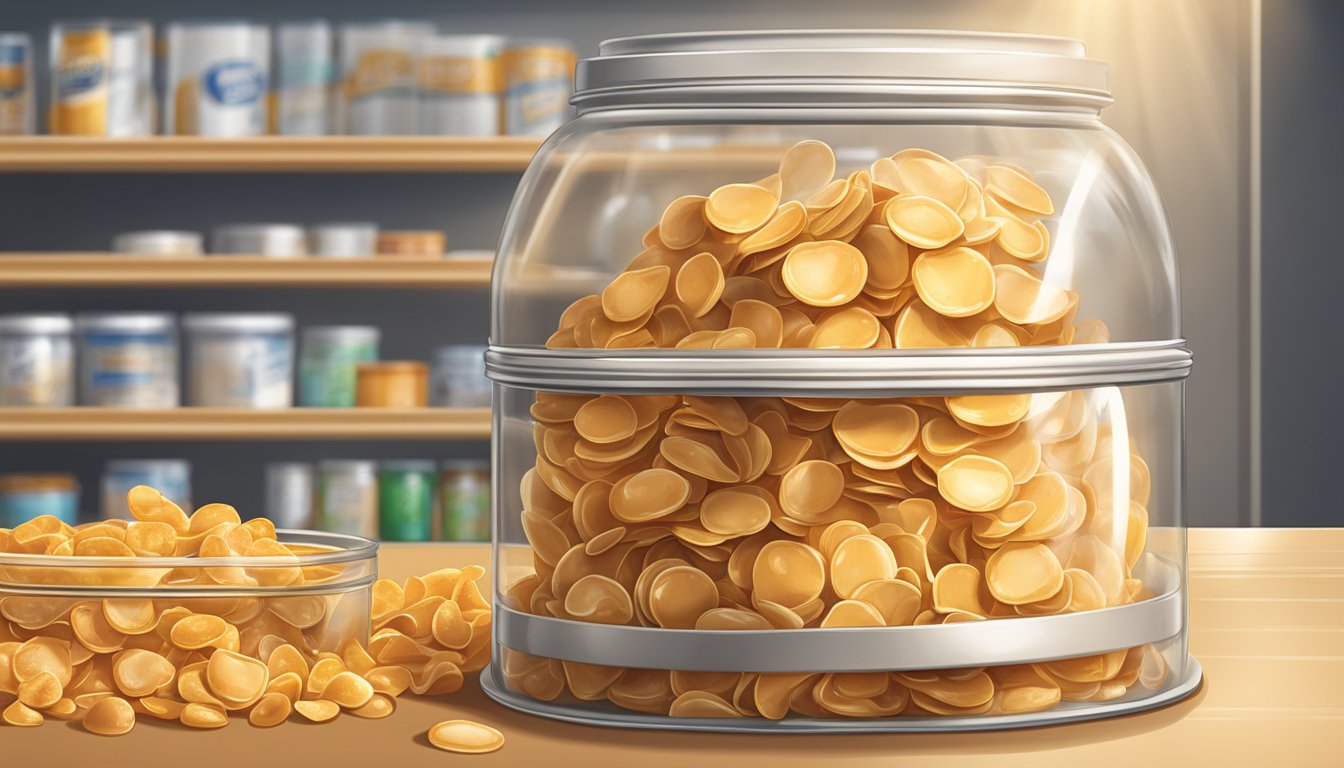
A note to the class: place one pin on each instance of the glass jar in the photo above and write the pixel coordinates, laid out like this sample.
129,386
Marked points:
875,427
318,600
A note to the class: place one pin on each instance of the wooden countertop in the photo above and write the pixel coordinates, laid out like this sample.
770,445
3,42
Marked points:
1267,623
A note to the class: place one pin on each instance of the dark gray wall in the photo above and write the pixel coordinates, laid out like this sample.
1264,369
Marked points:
1177,74
1303,263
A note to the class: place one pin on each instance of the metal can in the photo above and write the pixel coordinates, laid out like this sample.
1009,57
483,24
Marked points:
343,240
378,87
458,77
101,78
289,494
239,360
37,361
217,79
348,497
127,359
406,501
538,79
464,488
172,478
273,240
328,358
18,113
158,242
392,384
459,378
24,497
303,68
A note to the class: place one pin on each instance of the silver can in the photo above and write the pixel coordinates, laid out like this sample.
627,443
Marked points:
458,379
159,242
127,359
303,68
458,76
348,497
37,361
240,360
274,240
218,74
289,494
538,77
18,113
343,240
378,88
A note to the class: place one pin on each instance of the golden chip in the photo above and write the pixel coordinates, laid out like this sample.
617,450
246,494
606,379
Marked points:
465,736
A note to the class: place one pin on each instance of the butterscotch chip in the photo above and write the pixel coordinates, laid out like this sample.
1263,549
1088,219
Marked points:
40,691
788,573
1020,573
740,208
699,284
349,690
20,714
465,736
976,483
955,282
317,711
599,599
111,716
634,295
139,673
1024,299
683,222
923,221
701,704
1016,188
679,595
825,273
852,613
196,715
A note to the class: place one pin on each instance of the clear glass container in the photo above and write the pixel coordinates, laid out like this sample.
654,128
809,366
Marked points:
835,400
317,600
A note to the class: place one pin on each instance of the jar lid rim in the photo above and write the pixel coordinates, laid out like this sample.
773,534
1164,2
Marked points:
843,373
628,68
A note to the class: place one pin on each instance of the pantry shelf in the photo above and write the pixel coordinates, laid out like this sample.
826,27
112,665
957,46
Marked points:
175,154
108,270
240,424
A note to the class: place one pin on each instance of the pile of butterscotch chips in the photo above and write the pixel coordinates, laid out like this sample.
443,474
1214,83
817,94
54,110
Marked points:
197,660
731,513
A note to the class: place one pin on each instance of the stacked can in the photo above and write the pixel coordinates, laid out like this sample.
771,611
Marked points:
102,78
18,116
303,69
217,78
378,86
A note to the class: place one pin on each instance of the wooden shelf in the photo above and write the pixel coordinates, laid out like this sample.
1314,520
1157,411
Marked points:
176,154
110,270
245,424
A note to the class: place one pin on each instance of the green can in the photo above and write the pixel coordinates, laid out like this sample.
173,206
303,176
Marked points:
465,492
406,501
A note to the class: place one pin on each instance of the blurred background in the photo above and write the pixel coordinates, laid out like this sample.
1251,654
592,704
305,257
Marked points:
1232,104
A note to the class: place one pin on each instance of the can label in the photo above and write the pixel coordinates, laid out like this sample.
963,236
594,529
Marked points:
130,372
381,93
234,83
538,83
15,85
405,506
466,512
458,74
80,107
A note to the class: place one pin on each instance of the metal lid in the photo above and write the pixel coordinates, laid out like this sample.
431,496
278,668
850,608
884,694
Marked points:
35,324
827,373
317,334
353,466
838,66
126,322
240,322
